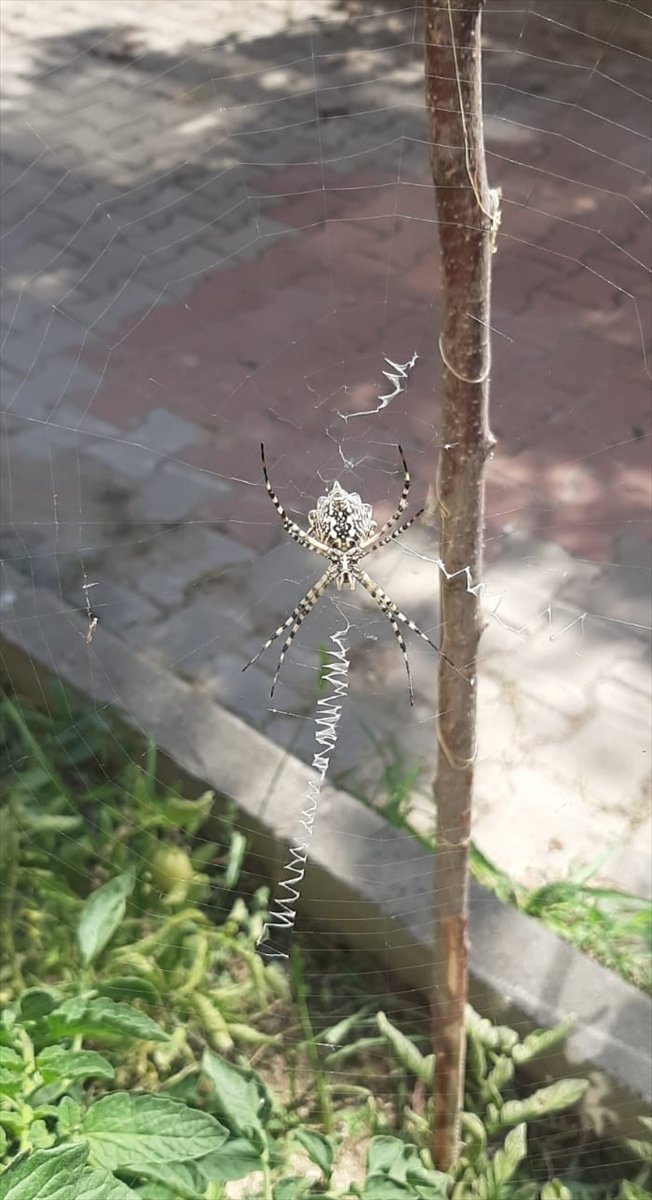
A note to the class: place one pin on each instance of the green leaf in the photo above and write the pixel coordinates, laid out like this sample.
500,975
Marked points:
379,1188
335,1034
541,1040
10,1060
50,822
101,916
185,1179
40,1136
237,850
405,1050
37,1002
385,1157
99,1017
476,1059
69,1114
555,1190
155,1191
176,812
640,1149
45,1174
127,1130
11,1071
237,1096
102,1185
504,1163
130,987
631,1191
398,1165
55,1062
234,1160
318,1148
292,1188
544,1102
493,1037
474,1130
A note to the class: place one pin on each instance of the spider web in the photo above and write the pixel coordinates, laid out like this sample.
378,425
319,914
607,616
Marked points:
219,229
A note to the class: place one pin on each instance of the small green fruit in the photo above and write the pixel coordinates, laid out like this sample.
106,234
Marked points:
172,873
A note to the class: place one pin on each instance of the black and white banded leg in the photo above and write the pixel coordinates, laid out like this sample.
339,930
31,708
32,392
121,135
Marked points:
394,614
396,532
295,531
402,504
294,621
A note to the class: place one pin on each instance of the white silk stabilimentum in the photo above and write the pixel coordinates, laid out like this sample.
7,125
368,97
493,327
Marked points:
273,941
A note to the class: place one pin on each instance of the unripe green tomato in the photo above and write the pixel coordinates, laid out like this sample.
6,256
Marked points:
172,870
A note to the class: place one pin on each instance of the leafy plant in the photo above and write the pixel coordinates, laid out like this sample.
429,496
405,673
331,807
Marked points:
136,1008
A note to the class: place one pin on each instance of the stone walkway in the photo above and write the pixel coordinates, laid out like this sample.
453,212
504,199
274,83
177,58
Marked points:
218,220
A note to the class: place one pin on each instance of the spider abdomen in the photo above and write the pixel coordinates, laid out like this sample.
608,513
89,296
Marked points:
342,519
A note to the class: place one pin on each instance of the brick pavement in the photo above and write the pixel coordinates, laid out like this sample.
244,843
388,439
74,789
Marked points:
203,250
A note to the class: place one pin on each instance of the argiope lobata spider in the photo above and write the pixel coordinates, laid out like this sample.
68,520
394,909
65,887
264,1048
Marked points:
342,529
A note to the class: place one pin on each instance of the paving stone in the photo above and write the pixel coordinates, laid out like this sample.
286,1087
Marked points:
604,763
185,558
46,384
537,826
166,432
190,261
76,421
174,493
161,434
628,865
125,458
39,442
552,704
190,643
53,336
248,692
622,591
121,608
24,261
112,306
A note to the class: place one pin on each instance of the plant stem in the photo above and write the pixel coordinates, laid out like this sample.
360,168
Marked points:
468,218
299,989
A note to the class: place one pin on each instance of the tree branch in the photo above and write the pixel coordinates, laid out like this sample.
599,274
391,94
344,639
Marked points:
468,214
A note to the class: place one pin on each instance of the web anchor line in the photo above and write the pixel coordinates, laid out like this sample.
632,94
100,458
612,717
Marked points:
273,942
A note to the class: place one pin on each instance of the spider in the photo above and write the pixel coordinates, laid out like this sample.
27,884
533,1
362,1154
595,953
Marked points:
342,529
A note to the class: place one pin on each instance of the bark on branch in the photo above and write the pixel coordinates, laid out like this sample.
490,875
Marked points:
468,213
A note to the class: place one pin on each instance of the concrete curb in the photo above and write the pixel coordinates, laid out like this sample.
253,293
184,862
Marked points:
367,882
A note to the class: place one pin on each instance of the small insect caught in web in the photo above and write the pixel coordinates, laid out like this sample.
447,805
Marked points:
91,615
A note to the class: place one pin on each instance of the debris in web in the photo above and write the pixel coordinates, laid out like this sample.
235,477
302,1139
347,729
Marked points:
91,615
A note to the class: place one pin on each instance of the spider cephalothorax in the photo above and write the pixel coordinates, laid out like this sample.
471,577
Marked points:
342,529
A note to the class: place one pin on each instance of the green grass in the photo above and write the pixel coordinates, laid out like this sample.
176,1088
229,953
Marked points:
613,927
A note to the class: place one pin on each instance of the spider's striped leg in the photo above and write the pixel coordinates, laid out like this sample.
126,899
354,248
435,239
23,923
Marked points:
394,614
295,531
396,533
404,497
295,620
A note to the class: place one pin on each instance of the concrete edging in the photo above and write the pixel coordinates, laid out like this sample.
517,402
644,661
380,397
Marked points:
360,866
